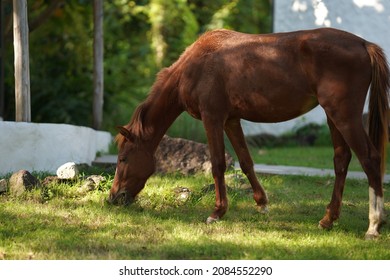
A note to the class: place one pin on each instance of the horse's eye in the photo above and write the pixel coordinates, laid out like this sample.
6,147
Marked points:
122,159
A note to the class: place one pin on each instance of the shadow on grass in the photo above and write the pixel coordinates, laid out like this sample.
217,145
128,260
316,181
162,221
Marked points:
91,229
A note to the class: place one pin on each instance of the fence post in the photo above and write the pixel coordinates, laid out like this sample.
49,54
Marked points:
2,52
98,77
22,62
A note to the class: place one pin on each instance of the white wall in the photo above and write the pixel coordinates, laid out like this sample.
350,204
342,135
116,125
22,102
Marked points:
369,19
44,147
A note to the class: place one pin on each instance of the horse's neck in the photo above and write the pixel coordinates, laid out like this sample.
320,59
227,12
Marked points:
161,113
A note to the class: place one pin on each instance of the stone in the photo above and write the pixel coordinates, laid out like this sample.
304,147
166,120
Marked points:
22,181
182,193
50,180
184,156
92,182
68,171
96,179
207,166
3,186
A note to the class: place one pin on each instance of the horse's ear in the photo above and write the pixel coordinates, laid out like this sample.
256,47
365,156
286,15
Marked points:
125,132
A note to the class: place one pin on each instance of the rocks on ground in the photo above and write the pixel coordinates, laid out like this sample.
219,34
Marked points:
22,181
3,186
68,171
172,155
184,156
92,182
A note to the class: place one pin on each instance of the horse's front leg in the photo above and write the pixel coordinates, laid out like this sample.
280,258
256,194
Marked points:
236,136
214,132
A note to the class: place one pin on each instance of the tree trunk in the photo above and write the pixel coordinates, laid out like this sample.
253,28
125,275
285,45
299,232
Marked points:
22,64
98,64
2,57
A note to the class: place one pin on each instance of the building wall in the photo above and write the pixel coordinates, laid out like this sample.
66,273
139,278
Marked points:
369,19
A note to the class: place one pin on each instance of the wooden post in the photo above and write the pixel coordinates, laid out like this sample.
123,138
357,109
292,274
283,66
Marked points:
22,62
98,77
2,57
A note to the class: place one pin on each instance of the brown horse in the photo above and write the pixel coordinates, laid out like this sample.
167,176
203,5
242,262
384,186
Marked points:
226,76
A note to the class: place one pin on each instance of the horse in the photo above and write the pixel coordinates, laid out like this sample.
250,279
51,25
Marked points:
226,76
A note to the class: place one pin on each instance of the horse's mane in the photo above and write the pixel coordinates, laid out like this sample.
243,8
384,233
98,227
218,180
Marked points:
167,79
136,125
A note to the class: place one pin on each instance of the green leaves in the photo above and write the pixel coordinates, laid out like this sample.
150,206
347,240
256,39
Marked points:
140,37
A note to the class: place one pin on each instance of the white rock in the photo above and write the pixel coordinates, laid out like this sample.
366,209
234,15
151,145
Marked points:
68,171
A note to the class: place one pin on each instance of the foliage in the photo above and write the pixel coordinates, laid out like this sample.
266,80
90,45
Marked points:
69,224
61,67
141,37
249,16
311,134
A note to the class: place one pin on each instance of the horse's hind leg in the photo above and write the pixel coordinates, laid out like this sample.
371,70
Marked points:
349,124
341,159
234,132
370,160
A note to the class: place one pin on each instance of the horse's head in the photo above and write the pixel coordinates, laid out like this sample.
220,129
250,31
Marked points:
134,166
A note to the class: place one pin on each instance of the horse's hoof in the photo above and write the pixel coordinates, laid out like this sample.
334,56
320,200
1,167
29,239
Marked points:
211,220
371,236
262,209
322,226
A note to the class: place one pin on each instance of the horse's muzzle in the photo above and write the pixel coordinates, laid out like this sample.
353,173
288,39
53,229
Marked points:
120,198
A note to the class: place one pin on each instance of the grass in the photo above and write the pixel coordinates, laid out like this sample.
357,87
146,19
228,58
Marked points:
291,149
63,222
319,157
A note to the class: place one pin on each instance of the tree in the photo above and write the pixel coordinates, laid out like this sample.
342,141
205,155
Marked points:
140,37
2,55
22,62
98,80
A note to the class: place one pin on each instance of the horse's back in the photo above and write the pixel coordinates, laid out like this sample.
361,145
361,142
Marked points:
269,77
223,38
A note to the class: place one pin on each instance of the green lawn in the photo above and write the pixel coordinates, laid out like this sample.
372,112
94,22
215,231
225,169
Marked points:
62,222
319,157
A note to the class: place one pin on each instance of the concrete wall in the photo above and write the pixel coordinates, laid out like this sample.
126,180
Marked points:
369,19
44,147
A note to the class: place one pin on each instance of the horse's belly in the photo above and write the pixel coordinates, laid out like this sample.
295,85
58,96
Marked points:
271,111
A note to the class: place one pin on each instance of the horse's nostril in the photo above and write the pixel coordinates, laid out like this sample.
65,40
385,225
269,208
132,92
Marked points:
121,199
128,200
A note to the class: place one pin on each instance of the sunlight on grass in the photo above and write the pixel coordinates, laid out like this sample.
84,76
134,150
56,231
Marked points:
70,225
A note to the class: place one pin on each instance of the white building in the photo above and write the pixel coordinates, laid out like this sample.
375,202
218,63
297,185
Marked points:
369,19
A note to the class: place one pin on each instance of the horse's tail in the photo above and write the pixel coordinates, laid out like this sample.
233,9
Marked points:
379,103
